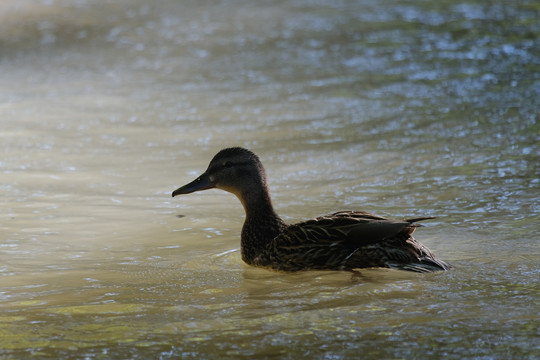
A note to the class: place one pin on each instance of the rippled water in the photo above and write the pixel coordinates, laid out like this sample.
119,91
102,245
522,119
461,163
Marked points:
401,108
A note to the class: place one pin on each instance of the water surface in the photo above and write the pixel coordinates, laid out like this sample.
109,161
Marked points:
403,109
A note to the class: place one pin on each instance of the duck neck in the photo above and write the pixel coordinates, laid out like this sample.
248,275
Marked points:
261,226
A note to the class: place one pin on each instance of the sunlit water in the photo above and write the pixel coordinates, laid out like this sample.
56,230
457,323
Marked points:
404,109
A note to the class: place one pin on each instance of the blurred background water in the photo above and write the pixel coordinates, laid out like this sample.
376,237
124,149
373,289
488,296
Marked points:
400,108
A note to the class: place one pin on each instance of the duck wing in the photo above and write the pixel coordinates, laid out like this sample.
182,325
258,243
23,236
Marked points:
354,228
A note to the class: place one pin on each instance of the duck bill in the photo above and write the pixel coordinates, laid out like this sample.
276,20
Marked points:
201,183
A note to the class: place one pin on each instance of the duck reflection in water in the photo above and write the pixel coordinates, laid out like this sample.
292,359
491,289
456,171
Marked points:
345,240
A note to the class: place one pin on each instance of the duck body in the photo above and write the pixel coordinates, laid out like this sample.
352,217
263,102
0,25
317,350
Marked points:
345,240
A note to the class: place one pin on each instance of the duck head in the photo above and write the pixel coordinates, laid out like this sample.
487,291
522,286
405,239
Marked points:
236,170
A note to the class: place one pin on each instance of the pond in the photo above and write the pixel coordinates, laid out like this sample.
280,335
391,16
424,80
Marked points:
400,108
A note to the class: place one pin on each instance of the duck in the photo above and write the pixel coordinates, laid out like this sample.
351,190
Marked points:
343,240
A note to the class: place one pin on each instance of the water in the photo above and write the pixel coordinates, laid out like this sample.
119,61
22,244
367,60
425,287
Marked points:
403,109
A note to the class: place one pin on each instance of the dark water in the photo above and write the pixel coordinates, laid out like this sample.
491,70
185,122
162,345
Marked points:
401,108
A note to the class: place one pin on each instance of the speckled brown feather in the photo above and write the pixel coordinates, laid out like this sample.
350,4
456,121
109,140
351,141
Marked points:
348,240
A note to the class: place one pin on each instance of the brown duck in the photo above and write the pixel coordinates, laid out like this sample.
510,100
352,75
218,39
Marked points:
344,240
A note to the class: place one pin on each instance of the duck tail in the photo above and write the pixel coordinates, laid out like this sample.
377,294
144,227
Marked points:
415,220
424,266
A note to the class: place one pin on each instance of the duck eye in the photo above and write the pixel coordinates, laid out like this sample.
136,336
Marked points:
228,164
